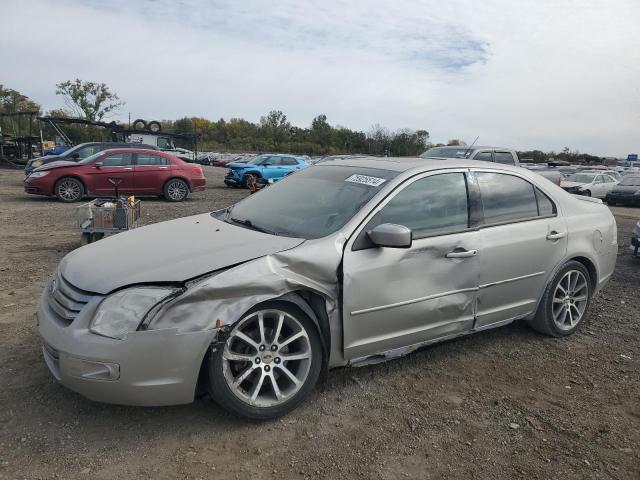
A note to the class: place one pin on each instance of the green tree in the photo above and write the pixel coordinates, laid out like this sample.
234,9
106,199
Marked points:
89,100
321,131
275,127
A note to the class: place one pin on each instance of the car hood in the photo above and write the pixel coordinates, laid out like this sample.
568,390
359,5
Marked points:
171,251
568,184
44,159
238,166
626,189
56,164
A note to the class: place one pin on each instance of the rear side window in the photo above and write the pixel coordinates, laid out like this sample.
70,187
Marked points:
289,161
146,159
484,156
506,198
434,205
117,160
503,157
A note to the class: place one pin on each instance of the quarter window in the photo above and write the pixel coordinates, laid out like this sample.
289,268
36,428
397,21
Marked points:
506,198
117,160
545,206
289,161
503,157
433,205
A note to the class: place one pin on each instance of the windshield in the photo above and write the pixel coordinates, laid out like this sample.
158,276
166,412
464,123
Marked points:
71,151
448,152
581,178
259,160
90,158
630,182
312,203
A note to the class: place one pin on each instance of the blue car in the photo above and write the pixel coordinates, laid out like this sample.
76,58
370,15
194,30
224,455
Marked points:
267,168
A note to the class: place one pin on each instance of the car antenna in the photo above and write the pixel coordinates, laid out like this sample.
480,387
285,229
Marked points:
469,147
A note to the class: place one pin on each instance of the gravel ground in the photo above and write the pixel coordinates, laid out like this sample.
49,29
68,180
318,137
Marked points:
507,403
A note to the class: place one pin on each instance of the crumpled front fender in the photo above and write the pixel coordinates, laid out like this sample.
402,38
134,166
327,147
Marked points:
223,298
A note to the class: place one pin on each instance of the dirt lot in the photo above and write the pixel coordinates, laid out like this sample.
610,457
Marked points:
508,403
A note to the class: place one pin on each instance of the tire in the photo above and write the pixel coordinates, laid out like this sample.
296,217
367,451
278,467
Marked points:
574,279
154,126
69,190
175,190
587,193
249,179
256,360
139,124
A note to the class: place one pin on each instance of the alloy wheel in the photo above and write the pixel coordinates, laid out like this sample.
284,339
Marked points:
69,190
177,190
570,300
267,358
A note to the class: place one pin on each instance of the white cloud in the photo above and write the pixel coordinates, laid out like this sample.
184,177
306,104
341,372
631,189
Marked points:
527,74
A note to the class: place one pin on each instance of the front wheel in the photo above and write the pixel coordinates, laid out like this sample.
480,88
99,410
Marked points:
565,301
176,190
69,190
587,193
270,362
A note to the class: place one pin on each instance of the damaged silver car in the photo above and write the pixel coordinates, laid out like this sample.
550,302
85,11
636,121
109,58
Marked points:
347,263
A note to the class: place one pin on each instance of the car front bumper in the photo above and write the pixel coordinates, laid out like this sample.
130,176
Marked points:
146,368
37,186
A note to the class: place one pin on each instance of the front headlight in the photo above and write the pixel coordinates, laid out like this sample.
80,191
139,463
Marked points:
124,311
39,174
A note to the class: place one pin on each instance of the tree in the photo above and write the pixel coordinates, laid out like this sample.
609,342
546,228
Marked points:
13,101
89,100
321,130
275,127
455,142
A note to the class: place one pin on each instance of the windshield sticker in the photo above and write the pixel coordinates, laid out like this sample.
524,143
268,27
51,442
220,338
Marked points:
365,180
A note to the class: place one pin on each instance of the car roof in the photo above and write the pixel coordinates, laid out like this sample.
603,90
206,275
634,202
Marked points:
402,164
473,148
134,150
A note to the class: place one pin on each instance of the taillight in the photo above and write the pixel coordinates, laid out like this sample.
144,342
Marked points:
197,169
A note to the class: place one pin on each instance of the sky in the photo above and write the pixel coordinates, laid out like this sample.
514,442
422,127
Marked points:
525,74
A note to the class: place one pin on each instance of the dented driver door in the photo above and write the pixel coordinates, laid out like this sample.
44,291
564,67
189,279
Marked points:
397,297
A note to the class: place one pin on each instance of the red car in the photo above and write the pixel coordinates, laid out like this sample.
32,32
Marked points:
136,171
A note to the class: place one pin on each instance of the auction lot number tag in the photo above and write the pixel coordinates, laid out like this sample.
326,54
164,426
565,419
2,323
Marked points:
365,180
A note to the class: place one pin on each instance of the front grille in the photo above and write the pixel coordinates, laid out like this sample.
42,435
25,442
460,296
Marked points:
65,300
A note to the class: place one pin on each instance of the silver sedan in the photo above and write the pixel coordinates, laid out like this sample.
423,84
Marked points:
347,263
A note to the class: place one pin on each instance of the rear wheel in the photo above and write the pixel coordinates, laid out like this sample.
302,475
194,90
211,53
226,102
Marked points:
270,362
565,302
176,190
69,190
587,193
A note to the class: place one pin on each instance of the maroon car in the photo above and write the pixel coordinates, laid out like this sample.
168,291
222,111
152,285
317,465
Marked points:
135,171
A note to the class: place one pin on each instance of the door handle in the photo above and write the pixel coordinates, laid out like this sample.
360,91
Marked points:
462,254
553,235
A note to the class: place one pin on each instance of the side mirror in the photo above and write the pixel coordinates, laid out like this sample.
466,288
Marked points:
98,165
391,235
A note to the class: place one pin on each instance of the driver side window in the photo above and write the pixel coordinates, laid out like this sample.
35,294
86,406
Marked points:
434,205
